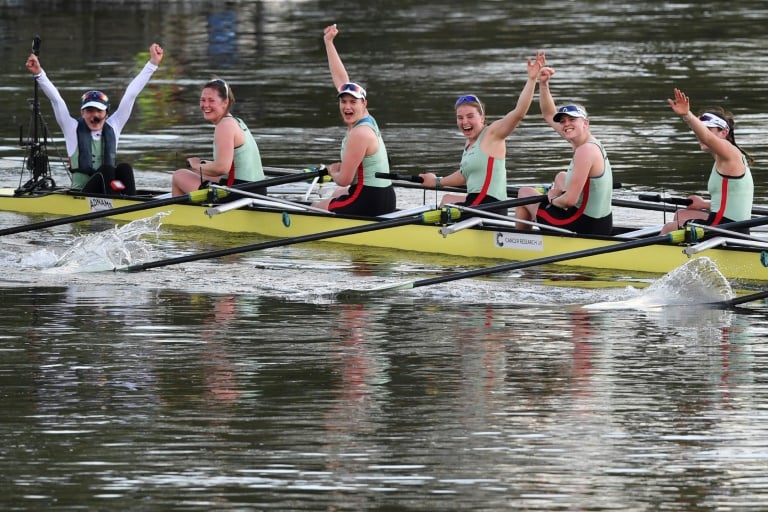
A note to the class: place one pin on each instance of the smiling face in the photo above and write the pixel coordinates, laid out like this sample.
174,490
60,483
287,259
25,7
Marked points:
574,128
352,109
94,118
470,120
212,105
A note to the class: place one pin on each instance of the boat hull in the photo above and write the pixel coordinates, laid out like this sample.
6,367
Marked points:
497,244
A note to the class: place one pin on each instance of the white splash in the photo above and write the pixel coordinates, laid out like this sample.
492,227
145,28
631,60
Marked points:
123,245
698,281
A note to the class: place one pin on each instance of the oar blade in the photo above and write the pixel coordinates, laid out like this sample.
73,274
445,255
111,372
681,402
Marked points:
376,290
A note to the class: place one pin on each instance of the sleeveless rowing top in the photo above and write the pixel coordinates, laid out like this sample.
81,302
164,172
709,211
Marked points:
247,159
600,188
485,175
731,197
377,162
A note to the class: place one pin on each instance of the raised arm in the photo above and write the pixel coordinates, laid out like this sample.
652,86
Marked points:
66,122
338,72
721,148
503,127
123,112
546,101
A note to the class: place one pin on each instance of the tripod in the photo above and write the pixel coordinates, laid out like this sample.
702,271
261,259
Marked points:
36,158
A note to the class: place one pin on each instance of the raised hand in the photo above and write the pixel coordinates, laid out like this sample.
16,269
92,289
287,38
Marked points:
156,54
536,65
330,32
681,105
33,64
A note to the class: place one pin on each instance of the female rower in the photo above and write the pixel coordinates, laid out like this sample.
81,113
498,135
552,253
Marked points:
579,198
92,139
363,153
730,183
236,157
483,163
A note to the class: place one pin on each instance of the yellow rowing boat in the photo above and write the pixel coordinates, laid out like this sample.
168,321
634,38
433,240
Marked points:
480,238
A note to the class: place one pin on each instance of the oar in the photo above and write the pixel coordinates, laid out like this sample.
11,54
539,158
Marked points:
624,203
658,198
408,179
741,300
197,196
684,201
429,217
673,237
418,179
413,181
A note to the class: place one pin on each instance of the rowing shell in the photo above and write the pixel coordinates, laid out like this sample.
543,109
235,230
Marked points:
499,242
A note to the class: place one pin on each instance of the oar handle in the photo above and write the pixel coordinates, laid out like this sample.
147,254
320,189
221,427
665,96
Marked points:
281,180
399,177
684,201
656,198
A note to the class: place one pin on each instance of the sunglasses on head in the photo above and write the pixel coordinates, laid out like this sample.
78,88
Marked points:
351,87
95,96
221,83
713,119
469,98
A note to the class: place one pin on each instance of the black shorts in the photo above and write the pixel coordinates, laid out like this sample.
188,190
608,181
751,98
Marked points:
487,199
582,224
365,201
102,180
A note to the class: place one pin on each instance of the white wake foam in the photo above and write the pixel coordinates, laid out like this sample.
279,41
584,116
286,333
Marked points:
120,246
698,281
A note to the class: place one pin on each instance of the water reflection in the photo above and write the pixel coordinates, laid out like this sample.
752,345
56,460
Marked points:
483,403
222,389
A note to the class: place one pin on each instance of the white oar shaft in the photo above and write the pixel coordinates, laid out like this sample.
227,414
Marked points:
245,202
509,218
733,234
724,241
273,199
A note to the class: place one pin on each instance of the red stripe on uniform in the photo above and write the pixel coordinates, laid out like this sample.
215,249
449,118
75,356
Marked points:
231,176
723,203
352,198
486,184
561,222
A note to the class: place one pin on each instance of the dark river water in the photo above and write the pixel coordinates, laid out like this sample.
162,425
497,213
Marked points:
243,384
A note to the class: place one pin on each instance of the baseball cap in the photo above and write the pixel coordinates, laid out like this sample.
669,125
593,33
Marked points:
352,89
570,110
95,99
